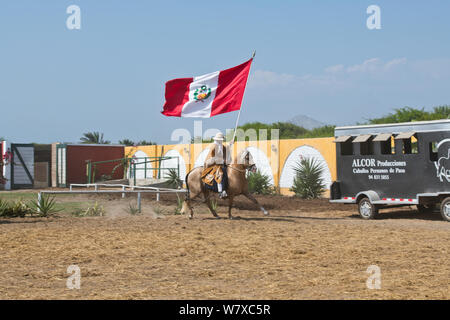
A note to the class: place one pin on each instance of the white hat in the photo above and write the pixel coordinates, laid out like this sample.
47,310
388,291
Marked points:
219,136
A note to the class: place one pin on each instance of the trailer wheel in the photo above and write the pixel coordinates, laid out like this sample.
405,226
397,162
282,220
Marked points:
367,210
445,209
426,208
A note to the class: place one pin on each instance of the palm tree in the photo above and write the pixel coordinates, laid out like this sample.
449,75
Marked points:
127,142
94,138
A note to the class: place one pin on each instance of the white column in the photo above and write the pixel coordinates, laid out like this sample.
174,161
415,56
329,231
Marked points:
7,168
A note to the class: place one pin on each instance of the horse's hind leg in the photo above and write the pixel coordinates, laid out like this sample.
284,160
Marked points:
187,207
252,199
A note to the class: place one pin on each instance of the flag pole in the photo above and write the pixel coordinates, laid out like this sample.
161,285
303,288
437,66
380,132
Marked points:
235,127
239,114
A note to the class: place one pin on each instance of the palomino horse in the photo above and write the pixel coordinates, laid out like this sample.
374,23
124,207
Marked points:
237,185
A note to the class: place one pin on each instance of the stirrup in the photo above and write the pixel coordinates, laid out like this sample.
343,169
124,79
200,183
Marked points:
223,194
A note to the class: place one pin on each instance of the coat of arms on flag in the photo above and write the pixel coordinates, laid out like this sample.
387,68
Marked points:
203,93
207,95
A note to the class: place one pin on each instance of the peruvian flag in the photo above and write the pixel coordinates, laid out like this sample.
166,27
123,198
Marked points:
208,95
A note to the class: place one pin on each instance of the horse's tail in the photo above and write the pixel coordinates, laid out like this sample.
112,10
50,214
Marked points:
187,185
185,206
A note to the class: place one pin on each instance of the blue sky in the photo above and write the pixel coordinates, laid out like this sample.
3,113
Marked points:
315,58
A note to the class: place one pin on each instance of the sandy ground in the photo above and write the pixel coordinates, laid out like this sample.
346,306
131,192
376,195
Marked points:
303,250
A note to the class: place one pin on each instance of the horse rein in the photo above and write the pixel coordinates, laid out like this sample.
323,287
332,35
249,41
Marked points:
239,170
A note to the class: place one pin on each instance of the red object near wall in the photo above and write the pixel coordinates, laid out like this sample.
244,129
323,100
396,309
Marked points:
2,180
78,155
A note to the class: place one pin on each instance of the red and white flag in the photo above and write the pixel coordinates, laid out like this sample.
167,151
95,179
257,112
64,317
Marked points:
208,95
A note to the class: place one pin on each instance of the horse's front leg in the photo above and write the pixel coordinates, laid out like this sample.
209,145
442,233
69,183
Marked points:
252,199
208,202
210,207
230,205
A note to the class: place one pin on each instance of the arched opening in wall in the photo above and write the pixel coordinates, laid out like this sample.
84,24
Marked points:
200,161
143,170
288,172
262,162
176,161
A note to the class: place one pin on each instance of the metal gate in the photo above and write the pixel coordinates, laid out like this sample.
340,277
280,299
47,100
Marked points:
22,166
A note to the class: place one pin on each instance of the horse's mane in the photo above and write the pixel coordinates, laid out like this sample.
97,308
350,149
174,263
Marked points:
239,159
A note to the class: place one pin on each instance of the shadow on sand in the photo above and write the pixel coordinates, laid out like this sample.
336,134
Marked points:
409,214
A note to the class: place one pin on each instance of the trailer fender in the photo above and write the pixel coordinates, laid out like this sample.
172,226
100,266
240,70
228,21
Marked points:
372,195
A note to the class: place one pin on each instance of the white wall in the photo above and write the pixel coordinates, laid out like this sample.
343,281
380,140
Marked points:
140,168
6,168
262,162
172,163
200,161
288,172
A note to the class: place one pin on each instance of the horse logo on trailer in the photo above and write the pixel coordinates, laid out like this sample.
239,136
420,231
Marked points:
443,163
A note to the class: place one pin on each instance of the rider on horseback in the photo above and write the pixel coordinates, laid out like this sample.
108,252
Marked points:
215,165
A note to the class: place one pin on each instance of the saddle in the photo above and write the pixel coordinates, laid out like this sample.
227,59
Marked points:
214,175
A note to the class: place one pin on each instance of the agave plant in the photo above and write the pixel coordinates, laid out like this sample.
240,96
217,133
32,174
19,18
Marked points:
18,209
173,180
214,204
4,206
158,210
259,183
44,206
94,211
308,182
132,209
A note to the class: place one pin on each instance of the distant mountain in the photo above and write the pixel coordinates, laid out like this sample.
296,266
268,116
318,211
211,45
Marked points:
306,122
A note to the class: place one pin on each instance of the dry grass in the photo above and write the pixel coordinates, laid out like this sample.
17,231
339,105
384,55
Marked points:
304,250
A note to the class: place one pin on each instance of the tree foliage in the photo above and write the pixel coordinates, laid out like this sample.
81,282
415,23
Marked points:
199,139
287,130
321,132
408,114
145,143
131,143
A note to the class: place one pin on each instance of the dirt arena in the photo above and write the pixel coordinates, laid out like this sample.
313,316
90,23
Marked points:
303,250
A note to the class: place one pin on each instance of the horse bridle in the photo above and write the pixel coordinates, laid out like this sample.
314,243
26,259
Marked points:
251,168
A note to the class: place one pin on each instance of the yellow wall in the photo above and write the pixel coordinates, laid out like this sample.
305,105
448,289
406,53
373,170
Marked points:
149,150
277,152
325,146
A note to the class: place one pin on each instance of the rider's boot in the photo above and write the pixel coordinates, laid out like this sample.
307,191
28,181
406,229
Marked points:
222,193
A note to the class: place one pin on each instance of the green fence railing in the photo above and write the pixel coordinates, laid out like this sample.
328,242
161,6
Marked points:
132,166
